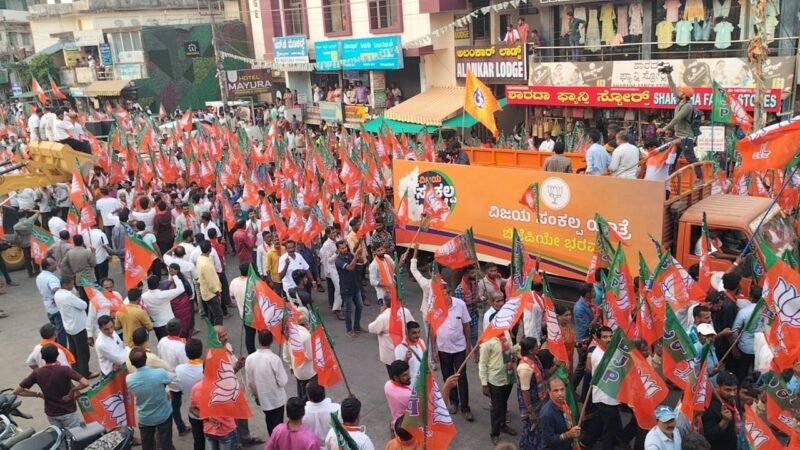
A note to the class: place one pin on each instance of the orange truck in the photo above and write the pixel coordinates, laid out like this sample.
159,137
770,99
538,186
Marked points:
486,194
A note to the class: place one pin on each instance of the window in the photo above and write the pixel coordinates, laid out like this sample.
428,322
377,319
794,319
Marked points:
385,16
26,40
126,41
277,27
482,27
336,16
294,17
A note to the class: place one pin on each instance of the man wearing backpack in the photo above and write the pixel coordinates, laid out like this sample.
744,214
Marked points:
686,124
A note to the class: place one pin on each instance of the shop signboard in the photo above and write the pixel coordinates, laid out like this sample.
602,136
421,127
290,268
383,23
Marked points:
130,71
711,139
497,64
327,54
697,73
355,113
461,33
290,50
247,82
378,53
330,111
71,57
16,89
627,97
106,59
377,80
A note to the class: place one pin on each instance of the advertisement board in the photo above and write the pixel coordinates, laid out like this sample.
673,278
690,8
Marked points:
330,112
246,82
290,49
496,64
487,199
377,53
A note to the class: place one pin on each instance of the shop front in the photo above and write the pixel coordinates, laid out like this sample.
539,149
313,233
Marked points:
291,58
567,99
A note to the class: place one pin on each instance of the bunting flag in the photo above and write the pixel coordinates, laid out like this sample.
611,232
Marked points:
624,374
109,403
704,277
439,303
781,291
480,103
530,199
779,403
221,393
41,241
426,416
138,258
37,89
457,252
772,147
679,354
555,339
326,367
758,433
56,91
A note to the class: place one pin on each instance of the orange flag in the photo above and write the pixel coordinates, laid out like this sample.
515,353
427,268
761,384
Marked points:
555,339
758,433
221,391
101,299
138,258
508,316
401,219
772,147
227,213
37,89
437,312
77,190
325,364
480,103
270,310
56,91
782,293
426,416
41,241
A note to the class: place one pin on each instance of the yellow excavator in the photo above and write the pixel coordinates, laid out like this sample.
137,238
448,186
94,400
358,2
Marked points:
48,163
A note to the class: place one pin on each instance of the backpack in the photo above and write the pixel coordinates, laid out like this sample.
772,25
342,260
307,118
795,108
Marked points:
694,121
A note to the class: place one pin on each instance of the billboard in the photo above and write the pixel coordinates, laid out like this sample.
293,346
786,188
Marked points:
246,82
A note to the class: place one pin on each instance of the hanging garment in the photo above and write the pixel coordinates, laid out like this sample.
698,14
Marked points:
622,20
745,32
580,13
702,30
664,34
672,7
694,10
607,16
556,131
723,31
721,9
635,14
593,32
773,8
772,24
683,32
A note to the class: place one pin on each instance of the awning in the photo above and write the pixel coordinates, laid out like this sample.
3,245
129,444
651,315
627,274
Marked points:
468,121
376,125
53,49
431,107
105,88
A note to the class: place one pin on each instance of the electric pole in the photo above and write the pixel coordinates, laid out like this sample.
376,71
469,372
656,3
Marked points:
757,54
223,91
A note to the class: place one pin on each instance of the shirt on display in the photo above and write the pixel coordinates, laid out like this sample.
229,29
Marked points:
723,35
702,31
721,8
683,32
664,34
635,15
672,7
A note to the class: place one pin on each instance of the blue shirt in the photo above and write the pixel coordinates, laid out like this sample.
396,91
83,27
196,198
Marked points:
599,294
348,281
711,359
583,317
597,160
48,283
148,387
793,385
747,340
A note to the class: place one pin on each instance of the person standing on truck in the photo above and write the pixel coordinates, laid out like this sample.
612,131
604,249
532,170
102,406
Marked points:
558,162
33,125
625,159
681,122
597,158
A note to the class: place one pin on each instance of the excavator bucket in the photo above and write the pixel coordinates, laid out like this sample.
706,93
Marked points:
49,163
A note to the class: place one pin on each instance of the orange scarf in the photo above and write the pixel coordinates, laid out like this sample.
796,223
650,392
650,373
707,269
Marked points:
383,267
67,353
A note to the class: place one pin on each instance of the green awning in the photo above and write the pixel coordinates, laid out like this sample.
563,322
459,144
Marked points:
375,126
468,121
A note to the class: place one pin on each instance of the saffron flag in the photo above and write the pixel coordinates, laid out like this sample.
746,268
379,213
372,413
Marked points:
269,311
138,258
624,374
37,89
326,366
530,199
555,338
704,277
56,91
508,316
77,189
100,298
779,402
221,393
291,329
109,403
402,216
457,252
758,433
619,297
727,109
251,316
41,241
781,290
521,265
435,208
438,305
480,103
772,147
426,416
697,396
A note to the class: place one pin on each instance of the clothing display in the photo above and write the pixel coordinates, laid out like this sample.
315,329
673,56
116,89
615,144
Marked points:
580,13
622,20
673,8
721,8
745,32
702,30
772,24
593,32
773,8
694,10
607,16
635,15
723,32
556,131
683,32
664,34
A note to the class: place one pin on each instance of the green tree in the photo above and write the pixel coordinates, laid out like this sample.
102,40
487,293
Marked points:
40,66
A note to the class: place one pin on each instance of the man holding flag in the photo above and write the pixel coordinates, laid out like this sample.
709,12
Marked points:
557,424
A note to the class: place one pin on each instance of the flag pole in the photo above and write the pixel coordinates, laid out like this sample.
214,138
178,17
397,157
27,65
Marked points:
583,408
335,354
766,213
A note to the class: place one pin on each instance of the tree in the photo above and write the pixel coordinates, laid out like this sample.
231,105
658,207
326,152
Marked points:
41,66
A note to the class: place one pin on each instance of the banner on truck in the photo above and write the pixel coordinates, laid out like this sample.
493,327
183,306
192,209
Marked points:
565,236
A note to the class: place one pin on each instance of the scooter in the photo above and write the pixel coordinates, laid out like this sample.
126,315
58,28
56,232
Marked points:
91,436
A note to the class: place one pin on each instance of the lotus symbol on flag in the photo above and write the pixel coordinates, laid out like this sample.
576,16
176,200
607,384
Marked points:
651,387
787,301
504,318
271,313
319,357
115,406
226,387
756,435
553,329
440,413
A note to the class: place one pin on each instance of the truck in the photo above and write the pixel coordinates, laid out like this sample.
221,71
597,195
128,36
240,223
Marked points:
485,196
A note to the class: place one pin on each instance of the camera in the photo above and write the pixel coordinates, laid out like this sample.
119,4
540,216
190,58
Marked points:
665,68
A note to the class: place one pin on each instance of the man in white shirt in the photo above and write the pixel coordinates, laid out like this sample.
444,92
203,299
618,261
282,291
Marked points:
158,305
327,257
177,256
97,241
55,225
144,214
206,224
261,253
288,263
411,349
381,274
380,327
33,125
238,289
625,159
48,334
73,313
547,144
108,207
607,407
172,350
46,124
266,379
62,127
92,327
351,417
304,373
453,343
109,347
318,411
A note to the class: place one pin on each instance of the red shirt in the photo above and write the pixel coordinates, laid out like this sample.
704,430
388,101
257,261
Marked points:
524,31
220,251
244,243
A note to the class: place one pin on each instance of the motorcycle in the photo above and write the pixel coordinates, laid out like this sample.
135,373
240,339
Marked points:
91,436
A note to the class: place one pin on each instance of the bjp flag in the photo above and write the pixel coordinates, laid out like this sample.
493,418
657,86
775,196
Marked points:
109,403
138,259
772,147
480,103
41,241
221,392
37,89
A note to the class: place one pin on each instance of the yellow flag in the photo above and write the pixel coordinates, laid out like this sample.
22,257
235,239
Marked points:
479,102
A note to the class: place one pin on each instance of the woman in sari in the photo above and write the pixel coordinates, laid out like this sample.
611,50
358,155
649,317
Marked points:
567,326
182,304
531,392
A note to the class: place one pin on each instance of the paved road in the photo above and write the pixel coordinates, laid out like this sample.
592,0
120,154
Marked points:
359,358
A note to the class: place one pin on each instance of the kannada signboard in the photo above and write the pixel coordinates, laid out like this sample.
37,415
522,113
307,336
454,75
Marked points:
378,53
630,97
106,58
290,50
246,82
495,64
